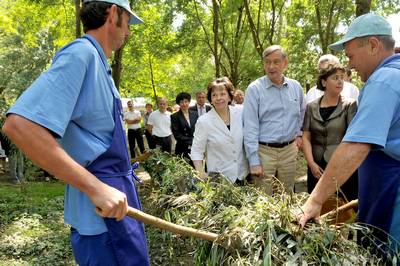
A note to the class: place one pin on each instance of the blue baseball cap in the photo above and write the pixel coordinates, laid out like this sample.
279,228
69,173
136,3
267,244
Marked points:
134,19
365,25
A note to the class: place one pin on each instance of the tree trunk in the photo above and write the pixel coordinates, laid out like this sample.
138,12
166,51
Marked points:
117,67
213,45
215,31
152,79
362,7
319,27
77,19
254,31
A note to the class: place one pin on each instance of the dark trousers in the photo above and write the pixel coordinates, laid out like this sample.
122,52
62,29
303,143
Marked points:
349,188
164,142
182,149
150,140
135,135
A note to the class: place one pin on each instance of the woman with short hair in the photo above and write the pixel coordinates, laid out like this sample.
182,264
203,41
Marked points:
183,125
219,135
325,124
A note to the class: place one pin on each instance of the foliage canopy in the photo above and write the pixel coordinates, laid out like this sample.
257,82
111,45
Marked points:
183,44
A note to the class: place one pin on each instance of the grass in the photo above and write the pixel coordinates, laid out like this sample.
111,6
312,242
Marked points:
32,231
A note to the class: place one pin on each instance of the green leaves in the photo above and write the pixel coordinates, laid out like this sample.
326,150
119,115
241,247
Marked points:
32,230
254,228
30,35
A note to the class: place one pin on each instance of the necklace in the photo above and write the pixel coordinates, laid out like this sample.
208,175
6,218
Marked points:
227,115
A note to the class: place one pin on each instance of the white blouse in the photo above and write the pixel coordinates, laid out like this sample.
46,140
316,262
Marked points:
223,148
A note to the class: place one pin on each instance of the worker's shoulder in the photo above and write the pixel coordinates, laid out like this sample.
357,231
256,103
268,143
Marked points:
80,49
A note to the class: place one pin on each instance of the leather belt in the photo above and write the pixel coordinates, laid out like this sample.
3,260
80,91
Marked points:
276,145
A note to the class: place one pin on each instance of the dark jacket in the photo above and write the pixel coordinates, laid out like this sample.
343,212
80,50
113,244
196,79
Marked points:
327,135
183,133
194,108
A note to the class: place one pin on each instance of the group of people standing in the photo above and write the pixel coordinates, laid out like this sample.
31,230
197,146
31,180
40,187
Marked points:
257,137
161,124
201,131
58,125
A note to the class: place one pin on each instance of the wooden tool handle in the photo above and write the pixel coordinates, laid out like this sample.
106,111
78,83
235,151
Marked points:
171,227
350,205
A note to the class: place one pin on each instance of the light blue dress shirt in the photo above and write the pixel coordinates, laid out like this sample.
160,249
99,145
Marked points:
271,114
73,99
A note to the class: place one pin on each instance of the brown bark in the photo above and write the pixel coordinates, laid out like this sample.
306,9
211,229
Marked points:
234,51
319,26
327,32
152,79
215,31
77,19
213,48
254,30
271,30
362,7
116,67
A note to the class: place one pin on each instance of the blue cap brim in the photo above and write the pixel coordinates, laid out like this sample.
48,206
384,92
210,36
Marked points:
339,45
134,19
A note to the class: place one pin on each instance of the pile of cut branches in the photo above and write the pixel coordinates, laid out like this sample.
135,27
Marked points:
254,228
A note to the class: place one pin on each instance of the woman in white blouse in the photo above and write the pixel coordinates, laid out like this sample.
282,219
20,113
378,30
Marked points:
218,136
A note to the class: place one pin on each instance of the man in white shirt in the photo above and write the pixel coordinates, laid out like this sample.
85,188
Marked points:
349,90
238,97
159,124
132,118
201,108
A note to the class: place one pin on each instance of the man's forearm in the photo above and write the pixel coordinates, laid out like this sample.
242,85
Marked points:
42,148
133,121
345,160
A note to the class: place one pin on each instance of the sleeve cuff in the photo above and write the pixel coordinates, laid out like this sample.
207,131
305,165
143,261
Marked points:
254,159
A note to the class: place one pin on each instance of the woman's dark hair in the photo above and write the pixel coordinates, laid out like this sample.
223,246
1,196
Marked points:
220,82
183,96
330,69
94,14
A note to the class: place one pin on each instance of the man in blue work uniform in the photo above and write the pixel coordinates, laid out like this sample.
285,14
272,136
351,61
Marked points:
372,141
69,122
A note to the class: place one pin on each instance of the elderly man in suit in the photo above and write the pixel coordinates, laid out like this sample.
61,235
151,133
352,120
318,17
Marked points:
201,108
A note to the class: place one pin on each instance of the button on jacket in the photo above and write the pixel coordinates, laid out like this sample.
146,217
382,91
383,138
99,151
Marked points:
223,148
182,130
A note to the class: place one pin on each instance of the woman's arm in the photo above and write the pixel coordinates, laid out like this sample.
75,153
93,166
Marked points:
199,146
198,165
307,150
